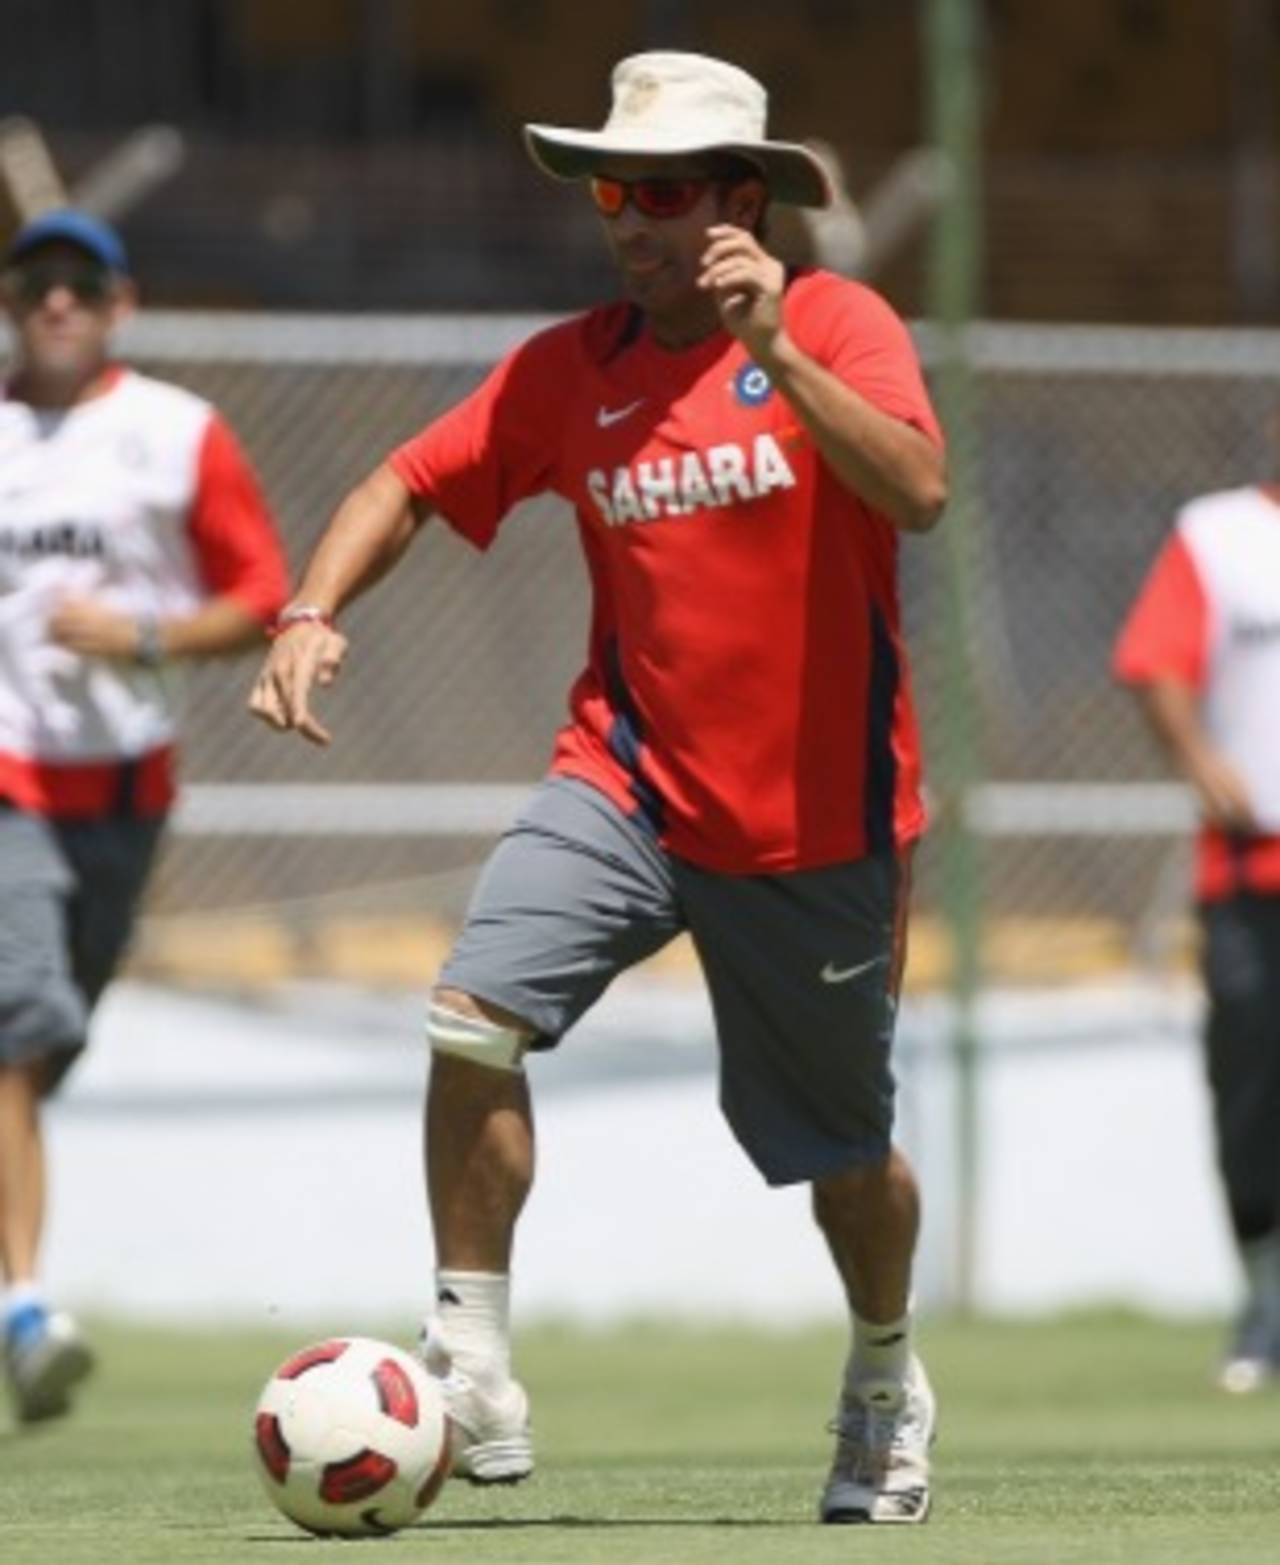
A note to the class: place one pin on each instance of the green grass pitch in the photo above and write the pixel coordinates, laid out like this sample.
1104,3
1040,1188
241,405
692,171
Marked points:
1095,1439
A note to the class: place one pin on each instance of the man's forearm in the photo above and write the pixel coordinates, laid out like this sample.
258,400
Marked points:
369,532
896,469
1173,711
218,627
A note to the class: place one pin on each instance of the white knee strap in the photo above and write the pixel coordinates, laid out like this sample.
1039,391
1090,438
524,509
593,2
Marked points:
472,1038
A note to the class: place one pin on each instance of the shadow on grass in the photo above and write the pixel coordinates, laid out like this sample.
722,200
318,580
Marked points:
496,1523
521,1523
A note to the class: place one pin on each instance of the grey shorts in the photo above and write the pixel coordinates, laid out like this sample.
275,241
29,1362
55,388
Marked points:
69,892
803,968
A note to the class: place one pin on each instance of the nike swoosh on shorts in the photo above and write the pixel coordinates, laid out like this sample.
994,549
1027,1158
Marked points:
831,974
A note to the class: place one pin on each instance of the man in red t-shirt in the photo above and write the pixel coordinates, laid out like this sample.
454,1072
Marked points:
1201,647
741,448
133,536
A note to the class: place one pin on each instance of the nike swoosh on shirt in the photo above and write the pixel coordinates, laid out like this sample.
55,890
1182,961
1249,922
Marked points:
607,416
831,974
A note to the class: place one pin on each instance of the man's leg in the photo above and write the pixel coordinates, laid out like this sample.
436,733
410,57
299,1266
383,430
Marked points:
479,1163
22,1172
43,1015
1242,1038
572,895
870,1217
803,971
479,1149
45,1356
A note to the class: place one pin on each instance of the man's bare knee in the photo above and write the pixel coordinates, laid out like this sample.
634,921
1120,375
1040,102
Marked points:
483,1010
464,1028
856,1180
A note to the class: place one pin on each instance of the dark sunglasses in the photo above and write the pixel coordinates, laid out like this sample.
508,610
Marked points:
31,283
660,198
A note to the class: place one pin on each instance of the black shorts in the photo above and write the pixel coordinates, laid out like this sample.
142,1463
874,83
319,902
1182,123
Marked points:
802,968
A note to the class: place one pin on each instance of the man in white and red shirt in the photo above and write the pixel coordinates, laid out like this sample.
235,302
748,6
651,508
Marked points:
132,536
1201,647
741,448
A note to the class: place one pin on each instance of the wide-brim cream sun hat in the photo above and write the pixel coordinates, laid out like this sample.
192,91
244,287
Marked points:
668,104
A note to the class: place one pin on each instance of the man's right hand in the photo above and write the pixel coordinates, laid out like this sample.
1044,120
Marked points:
1224,798
305,655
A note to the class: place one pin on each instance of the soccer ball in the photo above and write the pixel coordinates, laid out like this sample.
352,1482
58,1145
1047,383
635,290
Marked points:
351,1437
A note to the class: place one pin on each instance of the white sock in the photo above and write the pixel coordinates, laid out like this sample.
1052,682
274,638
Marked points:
474,1310
877,1367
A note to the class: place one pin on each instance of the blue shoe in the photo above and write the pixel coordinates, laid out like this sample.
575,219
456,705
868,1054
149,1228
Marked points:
45,1357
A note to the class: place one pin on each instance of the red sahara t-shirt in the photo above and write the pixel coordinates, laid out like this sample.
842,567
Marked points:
746,693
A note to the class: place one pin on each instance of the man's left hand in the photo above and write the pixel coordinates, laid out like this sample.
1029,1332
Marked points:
88,627
748,284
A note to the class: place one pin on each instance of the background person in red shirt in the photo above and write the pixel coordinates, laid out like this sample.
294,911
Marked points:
1201,647
132,536
741,448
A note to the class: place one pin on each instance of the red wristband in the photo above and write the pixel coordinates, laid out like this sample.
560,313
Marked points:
304,614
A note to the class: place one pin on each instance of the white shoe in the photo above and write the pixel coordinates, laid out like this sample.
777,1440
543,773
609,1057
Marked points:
489,1440
1243,1374
880,1472
45,1357
1252,1359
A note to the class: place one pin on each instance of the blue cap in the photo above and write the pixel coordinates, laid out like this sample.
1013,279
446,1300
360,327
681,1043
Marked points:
71,227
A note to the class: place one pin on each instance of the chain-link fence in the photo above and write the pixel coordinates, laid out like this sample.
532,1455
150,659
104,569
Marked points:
1090,439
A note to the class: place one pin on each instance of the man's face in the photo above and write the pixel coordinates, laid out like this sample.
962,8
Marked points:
659,257
64,306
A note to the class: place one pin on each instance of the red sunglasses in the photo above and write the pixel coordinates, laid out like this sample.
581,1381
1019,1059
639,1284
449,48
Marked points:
660,198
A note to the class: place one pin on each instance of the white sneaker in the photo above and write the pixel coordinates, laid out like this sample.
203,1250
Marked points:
880,1472
489,1440
1252,1359
1243,1374
45,1357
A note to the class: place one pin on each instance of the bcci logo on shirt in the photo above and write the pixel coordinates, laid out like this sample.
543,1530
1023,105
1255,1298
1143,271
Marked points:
752,386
